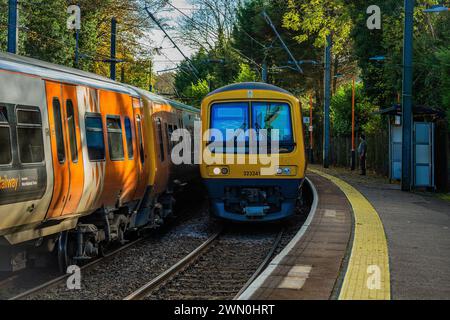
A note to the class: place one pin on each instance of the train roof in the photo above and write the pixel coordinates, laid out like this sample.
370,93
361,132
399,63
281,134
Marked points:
158,99
47,70
249,86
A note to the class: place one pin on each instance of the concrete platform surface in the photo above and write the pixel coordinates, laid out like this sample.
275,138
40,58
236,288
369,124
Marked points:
417,230
311,268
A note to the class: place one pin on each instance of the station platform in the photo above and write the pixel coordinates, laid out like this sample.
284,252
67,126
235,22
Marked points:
364,239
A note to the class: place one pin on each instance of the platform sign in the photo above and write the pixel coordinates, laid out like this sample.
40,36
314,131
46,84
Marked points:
306,120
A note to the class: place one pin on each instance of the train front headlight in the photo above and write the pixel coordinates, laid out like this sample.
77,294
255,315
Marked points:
218,170
287,171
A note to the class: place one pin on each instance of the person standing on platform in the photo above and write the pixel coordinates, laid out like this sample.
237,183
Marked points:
362,151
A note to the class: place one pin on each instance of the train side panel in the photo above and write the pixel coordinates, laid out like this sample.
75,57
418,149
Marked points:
26,173
121,178
94,171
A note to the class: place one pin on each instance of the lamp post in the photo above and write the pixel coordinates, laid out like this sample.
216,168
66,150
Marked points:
327,101
353,164
311,158
407,96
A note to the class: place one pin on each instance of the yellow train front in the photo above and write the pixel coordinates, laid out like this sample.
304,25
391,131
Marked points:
252,152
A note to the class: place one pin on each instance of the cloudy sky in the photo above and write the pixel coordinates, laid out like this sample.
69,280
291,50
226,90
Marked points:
169,56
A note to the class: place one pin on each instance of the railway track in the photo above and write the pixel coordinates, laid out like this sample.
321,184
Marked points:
63,278
192,260
44,285
220,268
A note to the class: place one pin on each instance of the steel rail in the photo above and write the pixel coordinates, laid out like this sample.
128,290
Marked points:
60,279
263,265
176,268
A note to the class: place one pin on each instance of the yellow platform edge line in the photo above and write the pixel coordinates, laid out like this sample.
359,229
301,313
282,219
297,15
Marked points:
367,276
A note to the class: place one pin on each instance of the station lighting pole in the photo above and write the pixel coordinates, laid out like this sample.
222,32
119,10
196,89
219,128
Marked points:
311,141
326,125
12,26
407,96
353,164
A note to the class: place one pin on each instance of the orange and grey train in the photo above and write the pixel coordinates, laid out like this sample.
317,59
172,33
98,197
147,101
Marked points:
83,160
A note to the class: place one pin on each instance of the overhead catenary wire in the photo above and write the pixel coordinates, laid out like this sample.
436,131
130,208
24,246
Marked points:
205,29
191,66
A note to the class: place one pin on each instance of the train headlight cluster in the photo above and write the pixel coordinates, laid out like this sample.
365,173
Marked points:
287,171
219,171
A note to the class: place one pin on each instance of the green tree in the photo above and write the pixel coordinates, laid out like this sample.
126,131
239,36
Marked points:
197,91
317,19
341,110
245,74
444,67
255,39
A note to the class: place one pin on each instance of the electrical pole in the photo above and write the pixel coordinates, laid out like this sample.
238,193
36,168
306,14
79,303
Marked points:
264,71
310,129
12,26
407,96
353,164
113,61
150,72
326,126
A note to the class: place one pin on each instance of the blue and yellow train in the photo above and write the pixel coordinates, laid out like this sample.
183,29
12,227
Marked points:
245,180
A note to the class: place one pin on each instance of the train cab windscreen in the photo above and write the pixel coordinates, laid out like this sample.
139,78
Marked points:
232,120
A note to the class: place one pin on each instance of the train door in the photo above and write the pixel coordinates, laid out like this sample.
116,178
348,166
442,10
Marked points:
61,170
74,154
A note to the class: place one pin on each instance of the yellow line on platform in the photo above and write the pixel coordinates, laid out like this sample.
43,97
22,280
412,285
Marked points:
367,275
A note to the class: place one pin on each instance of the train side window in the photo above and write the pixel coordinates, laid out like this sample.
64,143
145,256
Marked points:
115,142
94,138
141,142
72,131
160,139
59,131
29,135
5,137
129,136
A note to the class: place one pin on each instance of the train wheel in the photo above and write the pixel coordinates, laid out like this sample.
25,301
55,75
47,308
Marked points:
66,251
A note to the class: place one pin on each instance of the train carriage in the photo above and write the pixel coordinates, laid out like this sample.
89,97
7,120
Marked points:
80,160
250,187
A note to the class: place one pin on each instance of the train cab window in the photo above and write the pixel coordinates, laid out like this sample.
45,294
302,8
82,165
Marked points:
29,135
274,116
141,141
115,142
228,116
72,131
59,130
160,139
129,136
5,137
94,138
